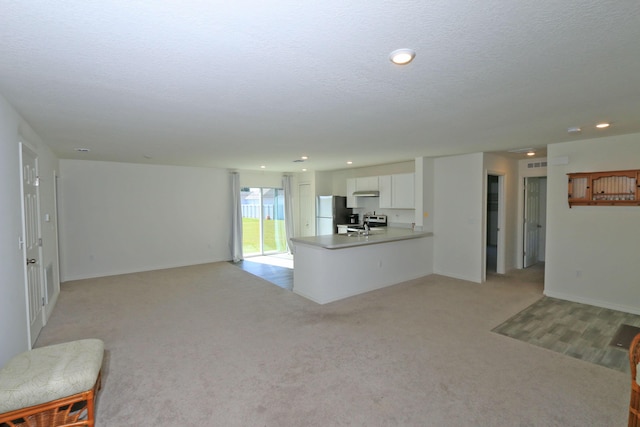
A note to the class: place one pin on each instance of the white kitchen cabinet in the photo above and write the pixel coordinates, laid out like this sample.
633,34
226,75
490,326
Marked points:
402,191
352,202
384,186
367,183
396,191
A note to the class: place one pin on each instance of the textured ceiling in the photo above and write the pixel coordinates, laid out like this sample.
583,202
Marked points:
248,83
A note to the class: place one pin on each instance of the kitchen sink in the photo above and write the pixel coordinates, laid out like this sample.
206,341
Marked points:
363,233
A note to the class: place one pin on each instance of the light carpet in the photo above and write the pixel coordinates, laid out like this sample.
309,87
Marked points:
211,345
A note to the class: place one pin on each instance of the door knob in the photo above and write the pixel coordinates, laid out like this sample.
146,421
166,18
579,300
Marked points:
31,261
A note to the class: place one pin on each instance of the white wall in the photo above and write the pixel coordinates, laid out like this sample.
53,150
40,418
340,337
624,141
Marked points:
499,165
592,251
120,218
260,179
458,216
14,330
425,184
324,184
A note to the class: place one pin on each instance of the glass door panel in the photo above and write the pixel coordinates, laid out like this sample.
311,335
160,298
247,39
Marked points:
251,214
273,238
263,229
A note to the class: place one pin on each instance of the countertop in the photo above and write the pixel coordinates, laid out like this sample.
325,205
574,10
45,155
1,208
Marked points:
341,241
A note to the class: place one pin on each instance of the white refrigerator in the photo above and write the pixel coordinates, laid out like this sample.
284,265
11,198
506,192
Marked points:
331,211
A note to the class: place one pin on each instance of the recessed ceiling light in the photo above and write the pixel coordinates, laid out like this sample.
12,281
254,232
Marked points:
574,129
304,158
531,153
402,56
304,170
263,167
349,162
82,150
602,125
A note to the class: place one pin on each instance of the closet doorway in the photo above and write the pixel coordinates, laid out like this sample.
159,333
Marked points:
494,239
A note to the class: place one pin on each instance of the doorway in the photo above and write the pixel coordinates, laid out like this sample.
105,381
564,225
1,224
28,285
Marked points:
263,230
494,239
534,221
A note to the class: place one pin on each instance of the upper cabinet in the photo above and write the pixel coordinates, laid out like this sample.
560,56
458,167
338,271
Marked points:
604,188
367,183
384,184
352,201
403,190
397,191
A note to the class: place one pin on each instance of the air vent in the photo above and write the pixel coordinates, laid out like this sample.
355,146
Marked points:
533,165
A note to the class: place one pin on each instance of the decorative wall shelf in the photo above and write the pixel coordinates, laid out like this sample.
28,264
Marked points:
612,188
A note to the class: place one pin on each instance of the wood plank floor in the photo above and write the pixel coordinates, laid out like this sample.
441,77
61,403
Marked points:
280,276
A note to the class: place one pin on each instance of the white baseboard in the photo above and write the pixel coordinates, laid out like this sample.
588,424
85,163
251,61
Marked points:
133,270
457,276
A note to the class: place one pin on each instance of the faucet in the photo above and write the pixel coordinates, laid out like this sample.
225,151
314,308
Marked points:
366,229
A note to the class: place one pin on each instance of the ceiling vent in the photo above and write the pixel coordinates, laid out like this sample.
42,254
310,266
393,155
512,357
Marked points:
533,165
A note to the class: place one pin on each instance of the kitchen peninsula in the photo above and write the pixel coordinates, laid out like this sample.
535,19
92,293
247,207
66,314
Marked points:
332,267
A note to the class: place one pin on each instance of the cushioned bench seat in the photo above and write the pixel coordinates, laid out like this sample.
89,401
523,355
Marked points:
33,381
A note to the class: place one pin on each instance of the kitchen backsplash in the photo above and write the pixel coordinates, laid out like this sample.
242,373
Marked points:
395,217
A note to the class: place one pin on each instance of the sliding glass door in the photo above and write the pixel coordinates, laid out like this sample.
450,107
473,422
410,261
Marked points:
263,230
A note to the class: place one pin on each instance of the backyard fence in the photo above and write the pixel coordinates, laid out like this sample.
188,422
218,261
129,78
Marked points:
268,211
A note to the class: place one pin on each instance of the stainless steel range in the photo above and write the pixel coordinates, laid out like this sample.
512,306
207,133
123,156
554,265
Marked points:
370,221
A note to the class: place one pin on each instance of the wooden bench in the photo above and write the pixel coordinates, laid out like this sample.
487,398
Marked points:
52,386
634,403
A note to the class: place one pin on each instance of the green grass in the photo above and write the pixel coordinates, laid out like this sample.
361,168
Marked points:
274,236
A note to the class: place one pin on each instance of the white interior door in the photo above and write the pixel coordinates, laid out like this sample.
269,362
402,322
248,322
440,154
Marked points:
532,223
32,243
543,219
307,211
